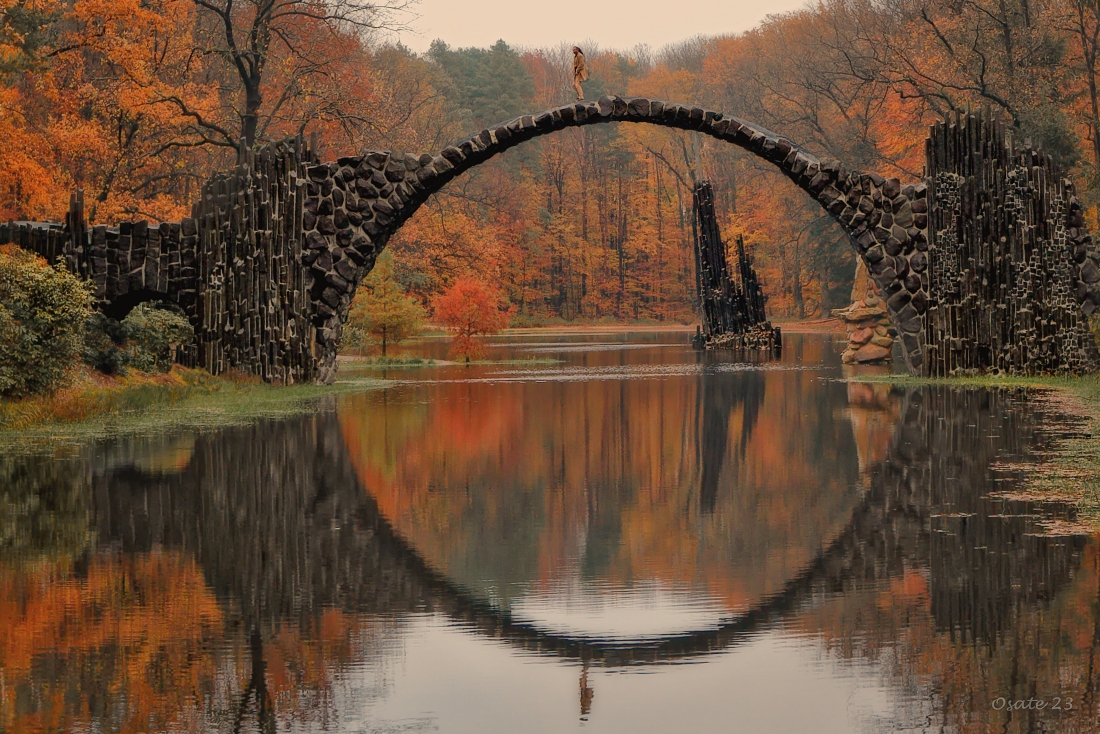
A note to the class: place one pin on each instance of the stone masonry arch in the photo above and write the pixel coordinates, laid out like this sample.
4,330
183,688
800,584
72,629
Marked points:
986,266
355,204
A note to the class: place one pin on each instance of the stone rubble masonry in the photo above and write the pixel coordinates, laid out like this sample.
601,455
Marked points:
267,266
870,335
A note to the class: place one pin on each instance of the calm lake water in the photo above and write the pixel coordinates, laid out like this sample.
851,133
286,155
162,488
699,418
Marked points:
634,538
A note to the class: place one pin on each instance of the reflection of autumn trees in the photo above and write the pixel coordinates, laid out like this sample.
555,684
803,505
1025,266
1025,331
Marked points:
968,603
237,592
124,629
140,641
218,605
728,480
1050,650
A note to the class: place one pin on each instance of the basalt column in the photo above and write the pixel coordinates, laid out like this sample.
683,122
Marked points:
1013,272
732,312
254,313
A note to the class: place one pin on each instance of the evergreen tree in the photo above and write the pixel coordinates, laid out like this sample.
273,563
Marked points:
492,84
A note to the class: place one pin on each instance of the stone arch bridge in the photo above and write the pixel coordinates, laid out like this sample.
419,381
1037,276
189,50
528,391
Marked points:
984,265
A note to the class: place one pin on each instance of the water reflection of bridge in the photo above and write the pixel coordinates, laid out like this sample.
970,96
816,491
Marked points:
277,518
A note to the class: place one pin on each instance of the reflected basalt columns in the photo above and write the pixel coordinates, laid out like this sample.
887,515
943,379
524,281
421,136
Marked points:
282,527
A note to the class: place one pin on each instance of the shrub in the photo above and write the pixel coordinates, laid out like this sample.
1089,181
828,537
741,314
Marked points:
153,331
42,315
104,344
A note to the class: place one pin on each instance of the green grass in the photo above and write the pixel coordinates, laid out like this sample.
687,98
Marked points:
386,362
1070,473
203,403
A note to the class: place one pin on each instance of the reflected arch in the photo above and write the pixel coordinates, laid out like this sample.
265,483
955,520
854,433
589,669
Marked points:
283,527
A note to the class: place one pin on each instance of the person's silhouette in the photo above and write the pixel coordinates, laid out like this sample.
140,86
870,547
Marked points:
580,72
586,692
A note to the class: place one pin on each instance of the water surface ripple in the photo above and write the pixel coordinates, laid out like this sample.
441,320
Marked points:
637,538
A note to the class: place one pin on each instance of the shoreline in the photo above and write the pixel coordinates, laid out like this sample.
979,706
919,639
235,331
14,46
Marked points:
800,326
1068,474
99,407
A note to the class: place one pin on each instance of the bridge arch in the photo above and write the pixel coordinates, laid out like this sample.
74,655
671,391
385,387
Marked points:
355,204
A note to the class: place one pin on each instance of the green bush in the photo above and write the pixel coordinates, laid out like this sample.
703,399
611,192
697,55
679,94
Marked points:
153,331
104,345
42,315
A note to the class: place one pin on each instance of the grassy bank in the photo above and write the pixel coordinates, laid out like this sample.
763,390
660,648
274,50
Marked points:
95,406
352,363
1070,472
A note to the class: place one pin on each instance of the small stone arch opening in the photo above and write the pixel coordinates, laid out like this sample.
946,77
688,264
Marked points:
121,306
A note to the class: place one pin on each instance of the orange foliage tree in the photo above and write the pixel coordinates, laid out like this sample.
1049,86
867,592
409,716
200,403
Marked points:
471,309
139,101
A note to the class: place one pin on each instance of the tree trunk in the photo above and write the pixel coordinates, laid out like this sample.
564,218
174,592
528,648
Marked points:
250,120
796,284
1088,56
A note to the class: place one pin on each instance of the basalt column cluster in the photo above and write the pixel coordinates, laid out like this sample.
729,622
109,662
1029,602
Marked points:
255,313
127,264
732,311
1014,273
234,267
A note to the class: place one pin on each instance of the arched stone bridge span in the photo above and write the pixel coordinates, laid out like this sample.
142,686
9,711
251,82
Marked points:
356,204
986,265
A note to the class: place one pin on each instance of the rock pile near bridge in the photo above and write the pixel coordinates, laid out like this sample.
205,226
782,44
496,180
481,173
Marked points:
870,335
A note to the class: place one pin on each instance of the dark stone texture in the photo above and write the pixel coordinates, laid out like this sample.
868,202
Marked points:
981,281
344,213
732,309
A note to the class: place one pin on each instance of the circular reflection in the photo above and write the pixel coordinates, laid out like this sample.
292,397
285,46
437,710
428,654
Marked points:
616,613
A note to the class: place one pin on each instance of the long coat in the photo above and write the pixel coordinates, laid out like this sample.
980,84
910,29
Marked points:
580,69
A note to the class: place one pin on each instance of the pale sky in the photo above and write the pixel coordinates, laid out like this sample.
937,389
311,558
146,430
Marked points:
618,24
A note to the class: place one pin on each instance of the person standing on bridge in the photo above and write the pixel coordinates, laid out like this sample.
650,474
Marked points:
580,72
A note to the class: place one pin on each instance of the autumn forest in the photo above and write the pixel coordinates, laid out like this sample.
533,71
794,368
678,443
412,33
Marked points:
137,102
